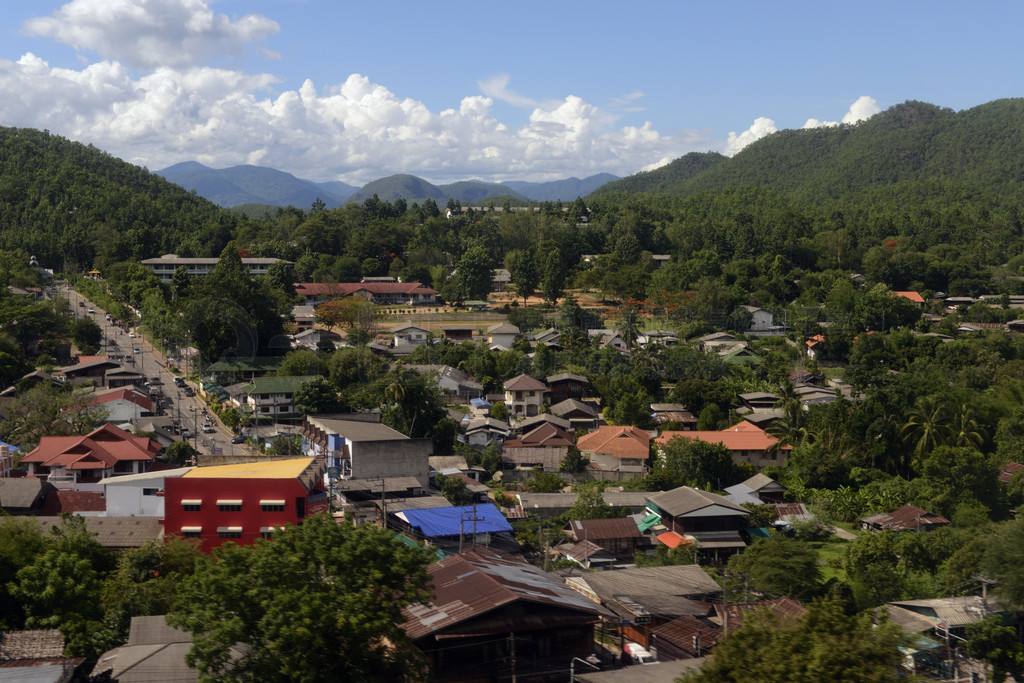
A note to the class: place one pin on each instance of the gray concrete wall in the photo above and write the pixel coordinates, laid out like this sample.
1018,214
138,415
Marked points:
404,458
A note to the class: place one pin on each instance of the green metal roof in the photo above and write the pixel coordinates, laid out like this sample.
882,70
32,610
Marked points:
277,385
650,521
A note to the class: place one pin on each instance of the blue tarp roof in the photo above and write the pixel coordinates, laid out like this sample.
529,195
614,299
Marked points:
479,403
448,521
10,448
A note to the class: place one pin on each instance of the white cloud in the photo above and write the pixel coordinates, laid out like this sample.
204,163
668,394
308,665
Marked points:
625,103
497,87
761,127
147,34
815,123
354,131
864,108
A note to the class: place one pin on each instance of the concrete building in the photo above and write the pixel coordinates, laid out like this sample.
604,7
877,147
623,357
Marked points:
138,495
361,449
240,503
165,266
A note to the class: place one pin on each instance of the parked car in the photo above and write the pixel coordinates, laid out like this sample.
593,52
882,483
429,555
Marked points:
239,439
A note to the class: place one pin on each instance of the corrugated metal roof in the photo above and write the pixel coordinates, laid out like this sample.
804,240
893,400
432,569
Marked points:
953,611
682,580
481,580
602,529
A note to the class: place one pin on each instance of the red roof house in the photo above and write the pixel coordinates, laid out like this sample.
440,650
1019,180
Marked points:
622,448
316,293
80,462
747,442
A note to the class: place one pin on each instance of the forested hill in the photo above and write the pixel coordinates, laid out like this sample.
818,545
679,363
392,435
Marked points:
72,205
914,143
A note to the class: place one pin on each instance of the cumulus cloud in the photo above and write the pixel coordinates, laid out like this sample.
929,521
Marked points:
815,123
147,34
761,127
355,131
864,108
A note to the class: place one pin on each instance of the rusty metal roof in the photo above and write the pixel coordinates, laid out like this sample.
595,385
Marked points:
480,580
602,529
682,631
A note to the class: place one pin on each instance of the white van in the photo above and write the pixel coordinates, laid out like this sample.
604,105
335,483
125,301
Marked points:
636,654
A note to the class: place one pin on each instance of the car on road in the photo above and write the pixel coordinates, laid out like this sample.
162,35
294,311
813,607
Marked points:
189,392
239,439
136,350
208,428
185,433
179,382
81,304
92,310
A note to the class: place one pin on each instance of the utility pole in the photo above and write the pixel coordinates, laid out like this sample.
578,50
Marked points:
512,649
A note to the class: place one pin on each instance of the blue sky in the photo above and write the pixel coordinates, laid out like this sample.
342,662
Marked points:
490,90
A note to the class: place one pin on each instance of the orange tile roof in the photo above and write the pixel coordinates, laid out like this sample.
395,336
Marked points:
741,437
103,447
619,441
913,296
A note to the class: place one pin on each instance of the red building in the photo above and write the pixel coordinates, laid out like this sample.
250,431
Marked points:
240,503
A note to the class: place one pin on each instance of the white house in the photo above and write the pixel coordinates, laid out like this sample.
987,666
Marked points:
138,495
502,335
409,335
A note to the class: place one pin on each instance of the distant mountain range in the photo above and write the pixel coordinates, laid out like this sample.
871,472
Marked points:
239,185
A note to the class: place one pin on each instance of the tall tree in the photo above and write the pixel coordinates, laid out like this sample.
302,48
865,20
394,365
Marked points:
522,266
322,601
823,645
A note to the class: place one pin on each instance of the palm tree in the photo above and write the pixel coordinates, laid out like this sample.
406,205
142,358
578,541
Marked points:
927,426
629,324
965,430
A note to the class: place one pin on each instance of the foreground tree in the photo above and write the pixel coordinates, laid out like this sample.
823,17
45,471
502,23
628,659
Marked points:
823,645
322,601
780,566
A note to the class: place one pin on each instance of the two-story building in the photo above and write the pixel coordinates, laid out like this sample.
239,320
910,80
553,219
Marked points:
273,397
357,448
244,502
316,293
565,386
80,462
165,266
524,395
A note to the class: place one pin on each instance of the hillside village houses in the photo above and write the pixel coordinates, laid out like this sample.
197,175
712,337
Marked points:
365,472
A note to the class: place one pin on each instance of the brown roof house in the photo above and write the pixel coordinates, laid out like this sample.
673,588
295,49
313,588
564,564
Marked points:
565,386
646,597
524,395
907,518
617,448
710,521
493,615
618,535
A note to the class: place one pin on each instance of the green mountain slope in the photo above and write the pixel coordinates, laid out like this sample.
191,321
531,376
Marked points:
72,205
914,142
